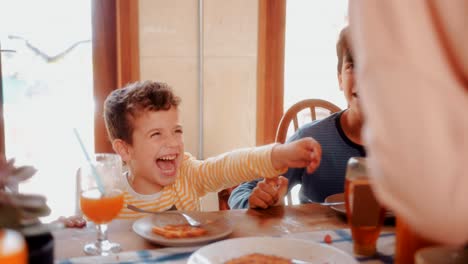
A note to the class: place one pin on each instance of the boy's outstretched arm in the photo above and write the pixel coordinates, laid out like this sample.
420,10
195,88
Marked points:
305,152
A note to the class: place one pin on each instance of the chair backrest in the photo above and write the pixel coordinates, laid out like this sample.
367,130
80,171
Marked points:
316,109
292,115
78,192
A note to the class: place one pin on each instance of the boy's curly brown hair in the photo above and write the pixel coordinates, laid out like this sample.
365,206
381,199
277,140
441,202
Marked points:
124,105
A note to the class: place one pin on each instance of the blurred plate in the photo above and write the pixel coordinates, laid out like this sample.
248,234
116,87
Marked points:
298,249
339,197
441,255
217,228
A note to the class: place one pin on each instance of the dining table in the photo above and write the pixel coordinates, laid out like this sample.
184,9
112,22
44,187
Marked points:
275,221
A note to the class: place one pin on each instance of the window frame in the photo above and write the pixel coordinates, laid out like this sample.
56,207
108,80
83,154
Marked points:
115,56
270,68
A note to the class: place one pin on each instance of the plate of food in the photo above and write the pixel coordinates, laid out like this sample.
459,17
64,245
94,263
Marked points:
339,197
171,229
267,250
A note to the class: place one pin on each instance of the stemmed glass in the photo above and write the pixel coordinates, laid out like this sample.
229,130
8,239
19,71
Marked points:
101,198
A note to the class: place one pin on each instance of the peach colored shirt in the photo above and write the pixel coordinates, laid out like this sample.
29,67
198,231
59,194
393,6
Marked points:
412,72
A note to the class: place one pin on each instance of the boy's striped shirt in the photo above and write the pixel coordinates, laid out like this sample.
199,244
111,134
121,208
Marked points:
196,178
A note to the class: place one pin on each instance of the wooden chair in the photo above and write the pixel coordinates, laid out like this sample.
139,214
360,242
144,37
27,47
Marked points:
292,115
296,114
299,114
223,198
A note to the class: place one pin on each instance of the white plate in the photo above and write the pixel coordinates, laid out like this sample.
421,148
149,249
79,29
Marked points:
217,228
298,249
339,197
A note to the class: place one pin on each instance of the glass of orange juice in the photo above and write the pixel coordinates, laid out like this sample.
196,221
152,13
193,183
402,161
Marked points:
365,215
101,198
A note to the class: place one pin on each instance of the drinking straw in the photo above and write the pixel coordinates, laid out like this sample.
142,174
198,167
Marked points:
93,168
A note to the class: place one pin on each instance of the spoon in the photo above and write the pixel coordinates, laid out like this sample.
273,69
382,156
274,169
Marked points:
190,220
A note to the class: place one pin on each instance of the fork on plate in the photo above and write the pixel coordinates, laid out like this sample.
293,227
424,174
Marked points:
190,220
326,203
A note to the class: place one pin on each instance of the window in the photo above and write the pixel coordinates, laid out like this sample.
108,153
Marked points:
312,29
48,89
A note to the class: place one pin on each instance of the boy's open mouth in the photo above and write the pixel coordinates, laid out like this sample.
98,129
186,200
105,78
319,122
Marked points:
167,164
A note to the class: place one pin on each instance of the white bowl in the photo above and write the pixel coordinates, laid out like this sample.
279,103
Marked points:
441,255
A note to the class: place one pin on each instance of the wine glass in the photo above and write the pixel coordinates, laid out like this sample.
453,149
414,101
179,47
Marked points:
101,198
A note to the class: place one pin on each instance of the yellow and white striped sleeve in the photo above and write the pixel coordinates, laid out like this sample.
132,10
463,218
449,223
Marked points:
229,169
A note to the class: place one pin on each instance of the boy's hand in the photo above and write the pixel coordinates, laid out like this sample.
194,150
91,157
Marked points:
268,192
305,152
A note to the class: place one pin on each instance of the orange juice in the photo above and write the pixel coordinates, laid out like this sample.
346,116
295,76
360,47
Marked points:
407,243
365,216
100,209
12,247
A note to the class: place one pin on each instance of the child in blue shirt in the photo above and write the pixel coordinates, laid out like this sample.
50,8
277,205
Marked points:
340,138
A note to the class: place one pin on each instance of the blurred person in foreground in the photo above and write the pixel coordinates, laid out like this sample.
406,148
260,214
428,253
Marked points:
413,81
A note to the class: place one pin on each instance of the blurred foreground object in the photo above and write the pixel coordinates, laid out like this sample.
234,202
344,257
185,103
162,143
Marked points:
18,210
20,219
12,247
